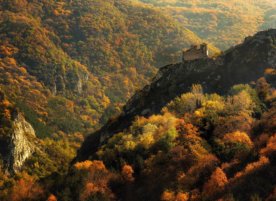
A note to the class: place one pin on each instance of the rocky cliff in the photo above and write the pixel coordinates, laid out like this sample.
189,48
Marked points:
243,63
20,146
17,136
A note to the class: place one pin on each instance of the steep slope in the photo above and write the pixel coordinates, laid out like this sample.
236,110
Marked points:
242,64
16,138
88,55
21,143
23,148
67,66
222,22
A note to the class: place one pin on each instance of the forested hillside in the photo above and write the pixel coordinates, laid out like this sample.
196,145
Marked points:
65,68
212,142
222,22
201,146
86,57
199,130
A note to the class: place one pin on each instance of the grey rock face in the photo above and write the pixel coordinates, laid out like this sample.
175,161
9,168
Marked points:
20,146
82,79
79,86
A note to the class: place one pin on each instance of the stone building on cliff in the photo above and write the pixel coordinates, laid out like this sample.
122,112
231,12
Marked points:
195,52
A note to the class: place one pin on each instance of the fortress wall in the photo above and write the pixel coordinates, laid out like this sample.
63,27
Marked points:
192,55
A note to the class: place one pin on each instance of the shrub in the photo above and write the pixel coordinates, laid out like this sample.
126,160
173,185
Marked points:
233,145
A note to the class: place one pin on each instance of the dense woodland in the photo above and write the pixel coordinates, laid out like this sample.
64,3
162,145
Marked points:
91,55
222,22
68,66
201,147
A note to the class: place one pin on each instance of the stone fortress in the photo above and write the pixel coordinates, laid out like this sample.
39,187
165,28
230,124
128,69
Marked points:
196,52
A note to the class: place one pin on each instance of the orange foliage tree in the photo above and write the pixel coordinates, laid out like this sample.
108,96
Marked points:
215,184
127,173
251,167
96,180
168,196
182,197
26,188
172,196
52,198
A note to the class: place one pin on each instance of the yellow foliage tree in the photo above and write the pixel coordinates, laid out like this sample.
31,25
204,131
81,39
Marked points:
238,137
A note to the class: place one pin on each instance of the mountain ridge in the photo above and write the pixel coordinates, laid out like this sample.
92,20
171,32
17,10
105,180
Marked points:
241,64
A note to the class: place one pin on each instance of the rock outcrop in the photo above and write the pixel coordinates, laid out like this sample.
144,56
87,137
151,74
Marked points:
20,146
243,63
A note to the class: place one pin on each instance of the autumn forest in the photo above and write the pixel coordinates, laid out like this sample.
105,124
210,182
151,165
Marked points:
137,100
